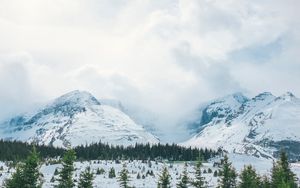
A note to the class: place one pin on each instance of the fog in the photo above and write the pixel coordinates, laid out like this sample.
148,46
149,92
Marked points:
165,57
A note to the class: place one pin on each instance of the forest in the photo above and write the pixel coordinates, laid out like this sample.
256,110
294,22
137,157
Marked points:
17,151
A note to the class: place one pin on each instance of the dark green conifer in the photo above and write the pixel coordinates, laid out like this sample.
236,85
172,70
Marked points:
124,177
164,179
27,175
86,179
249,178
228,175
16,180
112,173
282,175
184,178
199,181
65,175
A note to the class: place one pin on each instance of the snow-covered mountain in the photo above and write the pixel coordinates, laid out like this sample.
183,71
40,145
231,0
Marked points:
138,114
259,126
73,119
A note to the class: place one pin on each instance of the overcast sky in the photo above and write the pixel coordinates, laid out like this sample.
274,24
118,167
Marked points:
164,55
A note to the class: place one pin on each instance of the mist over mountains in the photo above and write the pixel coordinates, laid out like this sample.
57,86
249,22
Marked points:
259,126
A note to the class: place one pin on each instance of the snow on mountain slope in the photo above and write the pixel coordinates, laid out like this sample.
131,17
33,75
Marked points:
259,126
222,110
138,114
73,119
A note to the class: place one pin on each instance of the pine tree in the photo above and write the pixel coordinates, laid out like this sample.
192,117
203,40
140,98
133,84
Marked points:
112,173
184,178
282,175
249,178
124,177
86,179
65,175
228,175
164,179
215,173
100,171
27,175
31,171
56,172
199,181
16,180
52,180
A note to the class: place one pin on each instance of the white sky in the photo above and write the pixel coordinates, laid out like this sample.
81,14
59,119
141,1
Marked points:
166,56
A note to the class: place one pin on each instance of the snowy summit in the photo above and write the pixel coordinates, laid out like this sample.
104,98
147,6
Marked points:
260,126
73,119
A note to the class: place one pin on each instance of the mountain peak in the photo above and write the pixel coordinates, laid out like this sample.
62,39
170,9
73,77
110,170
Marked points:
77,97
232,99
240,97
261,126
76,118
263,96
288,96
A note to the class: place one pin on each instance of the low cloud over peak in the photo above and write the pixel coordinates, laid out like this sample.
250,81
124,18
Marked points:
164,56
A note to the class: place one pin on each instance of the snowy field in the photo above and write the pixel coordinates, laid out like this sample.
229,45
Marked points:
134,167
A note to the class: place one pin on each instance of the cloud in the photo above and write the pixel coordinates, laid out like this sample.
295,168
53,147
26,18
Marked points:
164,56
15,85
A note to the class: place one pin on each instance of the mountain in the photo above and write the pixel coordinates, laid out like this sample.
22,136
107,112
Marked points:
222,109
138,114
73,119
259,126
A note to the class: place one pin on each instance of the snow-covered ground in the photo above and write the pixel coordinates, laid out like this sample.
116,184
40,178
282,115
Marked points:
262,165
134,167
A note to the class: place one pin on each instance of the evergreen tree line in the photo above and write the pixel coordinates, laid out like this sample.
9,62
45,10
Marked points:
172,152
16,151
27,175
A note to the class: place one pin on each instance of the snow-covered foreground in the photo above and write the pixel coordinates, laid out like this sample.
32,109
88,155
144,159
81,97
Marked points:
134,167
